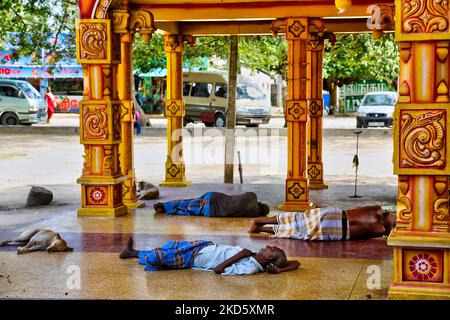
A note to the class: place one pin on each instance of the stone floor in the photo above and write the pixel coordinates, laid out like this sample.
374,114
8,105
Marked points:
336,270
339,270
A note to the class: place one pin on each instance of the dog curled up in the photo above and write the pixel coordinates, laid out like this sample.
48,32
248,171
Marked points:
38,240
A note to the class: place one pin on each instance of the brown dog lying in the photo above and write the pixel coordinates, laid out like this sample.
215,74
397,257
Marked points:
38,240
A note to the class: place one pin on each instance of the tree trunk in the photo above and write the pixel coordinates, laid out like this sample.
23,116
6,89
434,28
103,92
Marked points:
332,88
231,111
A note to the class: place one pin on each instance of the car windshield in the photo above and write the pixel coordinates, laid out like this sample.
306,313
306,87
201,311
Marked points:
379,100
28,90
249,91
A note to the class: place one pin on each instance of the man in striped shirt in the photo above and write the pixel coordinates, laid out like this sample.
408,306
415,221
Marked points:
329,223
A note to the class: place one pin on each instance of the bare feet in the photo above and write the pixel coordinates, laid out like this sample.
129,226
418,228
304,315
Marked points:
129,252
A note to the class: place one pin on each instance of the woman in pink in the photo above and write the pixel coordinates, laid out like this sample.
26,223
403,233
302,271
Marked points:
51,103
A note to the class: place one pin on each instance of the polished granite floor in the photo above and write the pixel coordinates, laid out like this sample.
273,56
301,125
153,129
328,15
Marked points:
329,270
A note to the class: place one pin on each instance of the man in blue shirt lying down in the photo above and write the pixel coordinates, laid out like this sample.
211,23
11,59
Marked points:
216,204
206,255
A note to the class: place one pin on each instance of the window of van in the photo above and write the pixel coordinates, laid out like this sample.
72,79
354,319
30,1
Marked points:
201,90
249,91
29,91
9,91
186,88
221,90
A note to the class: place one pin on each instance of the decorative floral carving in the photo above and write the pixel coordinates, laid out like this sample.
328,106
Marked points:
95,122
108,161
142,22
423,267
296,190
425,16
93,41
423,140
296,28
313,172
173,108
296,111
173,171
117,122
97,195
87,160
101,8
277,26
314,107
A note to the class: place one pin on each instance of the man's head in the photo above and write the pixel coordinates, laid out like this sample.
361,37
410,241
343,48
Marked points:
264,209
159,207
390,218
272,254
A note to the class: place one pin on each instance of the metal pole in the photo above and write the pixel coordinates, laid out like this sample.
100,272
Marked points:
240,167
356,165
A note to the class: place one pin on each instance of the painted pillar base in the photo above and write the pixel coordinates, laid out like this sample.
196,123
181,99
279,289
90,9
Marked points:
103,212
135,205
175,175
317,185
287,206
402,292
183,183
421,265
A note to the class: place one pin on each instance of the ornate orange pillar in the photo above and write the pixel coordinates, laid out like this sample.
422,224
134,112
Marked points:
98,50
296,113
421,239
174,111
315,104
125,24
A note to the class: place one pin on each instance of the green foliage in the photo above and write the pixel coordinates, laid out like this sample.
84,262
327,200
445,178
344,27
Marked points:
358,57
28,24
263,53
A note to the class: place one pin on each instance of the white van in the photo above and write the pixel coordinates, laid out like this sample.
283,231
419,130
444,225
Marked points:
205,96
20,103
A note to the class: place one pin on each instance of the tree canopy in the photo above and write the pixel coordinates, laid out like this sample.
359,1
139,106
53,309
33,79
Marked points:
35,28
358,57
262,53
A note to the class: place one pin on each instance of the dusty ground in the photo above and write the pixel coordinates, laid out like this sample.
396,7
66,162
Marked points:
55,162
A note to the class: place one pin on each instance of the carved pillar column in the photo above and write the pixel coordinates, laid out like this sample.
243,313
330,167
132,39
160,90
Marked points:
296,113
174,111
98,50
421,239
315,104
126,24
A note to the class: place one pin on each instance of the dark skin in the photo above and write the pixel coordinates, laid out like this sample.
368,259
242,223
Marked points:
263,256
365,223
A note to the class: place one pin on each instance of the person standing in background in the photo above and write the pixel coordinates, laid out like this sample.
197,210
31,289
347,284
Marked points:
137,123
51,103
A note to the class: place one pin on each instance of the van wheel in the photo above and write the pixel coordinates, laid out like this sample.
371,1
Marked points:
219,121
9,119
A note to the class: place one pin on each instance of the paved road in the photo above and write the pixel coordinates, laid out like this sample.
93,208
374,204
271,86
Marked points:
329,122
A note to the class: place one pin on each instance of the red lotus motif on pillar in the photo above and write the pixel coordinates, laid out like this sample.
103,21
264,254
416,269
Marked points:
423,266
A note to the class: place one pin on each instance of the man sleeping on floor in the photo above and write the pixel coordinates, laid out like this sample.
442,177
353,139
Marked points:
206,255
216,204
328,224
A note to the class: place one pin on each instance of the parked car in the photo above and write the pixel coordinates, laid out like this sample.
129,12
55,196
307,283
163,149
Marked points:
20,103
205,96
376,109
